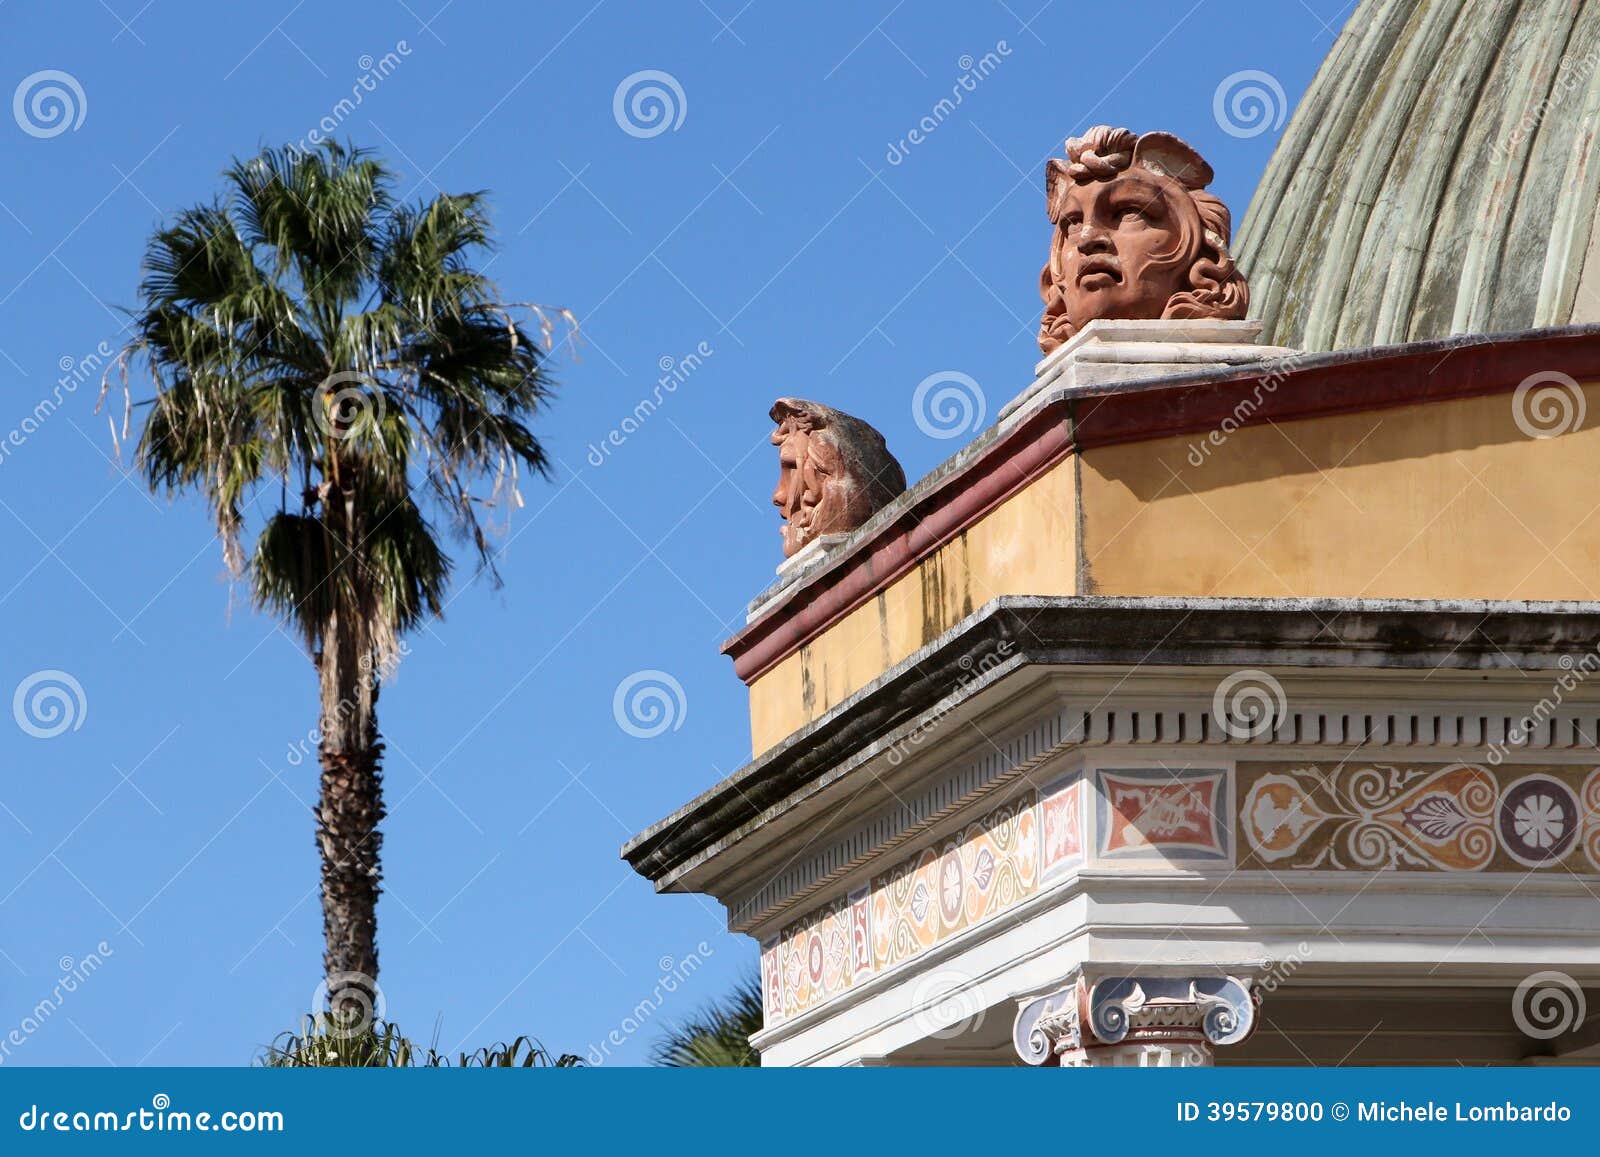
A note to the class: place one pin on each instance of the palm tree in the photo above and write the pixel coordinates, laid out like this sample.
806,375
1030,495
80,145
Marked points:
718,1036
381,1045
309,333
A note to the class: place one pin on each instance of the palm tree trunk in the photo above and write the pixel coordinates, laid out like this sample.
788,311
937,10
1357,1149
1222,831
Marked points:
348,817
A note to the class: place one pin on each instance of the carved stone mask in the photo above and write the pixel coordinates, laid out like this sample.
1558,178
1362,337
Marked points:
834,471
1136,236
1119,248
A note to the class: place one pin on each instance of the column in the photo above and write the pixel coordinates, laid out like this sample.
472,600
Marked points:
1135,1021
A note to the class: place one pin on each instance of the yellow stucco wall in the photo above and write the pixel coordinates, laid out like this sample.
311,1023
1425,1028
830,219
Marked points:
1023,547
1449,499
1444,500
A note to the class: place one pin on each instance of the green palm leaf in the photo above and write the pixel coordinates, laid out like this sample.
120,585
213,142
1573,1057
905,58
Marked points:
326,352
718,1036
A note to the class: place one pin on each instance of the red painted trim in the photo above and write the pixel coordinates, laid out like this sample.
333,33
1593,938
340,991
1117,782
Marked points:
1368,380
1332,384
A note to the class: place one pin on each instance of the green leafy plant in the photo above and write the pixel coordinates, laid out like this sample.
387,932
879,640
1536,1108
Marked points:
718,1036
325,1041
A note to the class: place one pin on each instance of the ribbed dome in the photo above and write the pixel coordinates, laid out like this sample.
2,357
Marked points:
1439,177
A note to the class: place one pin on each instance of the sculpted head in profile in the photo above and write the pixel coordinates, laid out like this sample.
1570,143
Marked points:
1137,235
834,471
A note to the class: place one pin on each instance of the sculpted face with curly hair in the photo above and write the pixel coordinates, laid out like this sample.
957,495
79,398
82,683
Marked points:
834,471
1136,235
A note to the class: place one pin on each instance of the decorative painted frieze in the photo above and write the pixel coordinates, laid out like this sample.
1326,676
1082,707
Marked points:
981,871
1061,818
1160,813
1146,814
814,959
971,876
1348,815
1429,817
1476,735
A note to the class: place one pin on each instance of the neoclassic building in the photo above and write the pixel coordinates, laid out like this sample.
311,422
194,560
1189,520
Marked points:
1232,699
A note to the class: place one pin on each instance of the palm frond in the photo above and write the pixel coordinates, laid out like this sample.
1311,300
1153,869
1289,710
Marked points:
309,335
718,1036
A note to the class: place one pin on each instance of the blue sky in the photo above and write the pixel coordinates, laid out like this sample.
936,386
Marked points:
767,224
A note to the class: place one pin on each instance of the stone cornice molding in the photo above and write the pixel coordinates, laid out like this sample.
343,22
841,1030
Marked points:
1077,632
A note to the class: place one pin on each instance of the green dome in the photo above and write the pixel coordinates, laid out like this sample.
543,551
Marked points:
1438,178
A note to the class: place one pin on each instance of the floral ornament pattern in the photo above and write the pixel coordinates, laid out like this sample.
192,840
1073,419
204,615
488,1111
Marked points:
1061,816
966,878
1460,817
1591,819
981,870
1538,820
1373,817
950,885
811,961
1457,817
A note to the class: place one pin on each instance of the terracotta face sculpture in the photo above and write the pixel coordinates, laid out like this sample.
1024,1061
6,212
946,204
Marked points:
834,471
1136,235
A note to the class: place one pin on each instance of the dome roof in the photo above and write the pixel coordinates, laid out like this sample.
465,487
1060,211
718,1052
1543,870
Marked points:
1439,177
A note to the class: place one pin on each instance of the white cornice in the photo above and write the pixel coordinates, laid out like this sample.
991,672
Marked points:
1151,714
